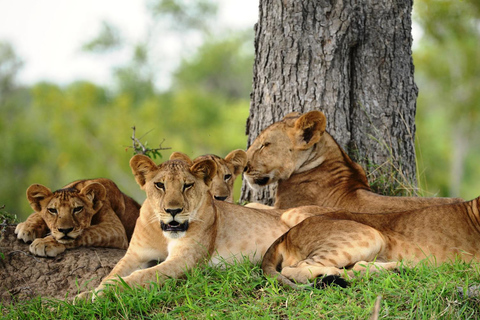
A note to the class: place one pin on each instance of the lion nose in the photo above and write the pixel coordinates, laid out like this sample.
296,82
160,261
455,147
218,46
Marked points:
66,231
173,212
220,198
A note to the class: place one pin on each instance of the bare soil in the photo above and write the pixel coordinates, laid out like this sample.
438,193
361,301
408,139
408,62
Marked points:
25,276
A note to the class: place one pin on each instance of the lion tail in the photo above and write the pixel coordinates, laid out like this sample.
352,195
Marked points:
272,263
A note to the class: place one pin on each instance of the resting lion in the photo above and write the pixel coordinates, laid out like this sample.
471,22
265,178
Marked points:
312,169
182,225
325,244
83,213
228,170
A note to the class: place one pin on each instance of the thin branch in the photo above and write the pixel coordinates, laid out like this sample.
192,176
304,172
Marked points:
140,148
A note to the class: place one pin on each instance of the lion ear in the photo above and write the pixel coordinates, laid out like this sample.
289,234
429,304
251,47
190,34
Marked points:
237,158
309,128
96,193
36,193
204,169
141,166
181,156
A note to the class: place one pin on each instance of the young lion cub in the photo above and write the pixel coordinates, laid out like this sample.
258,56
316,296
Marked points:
312,169
182,225
228,170
83,213
327,243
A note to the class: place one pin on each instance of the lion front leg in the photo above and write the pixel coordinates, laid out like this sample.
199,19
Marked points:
34,227
46,247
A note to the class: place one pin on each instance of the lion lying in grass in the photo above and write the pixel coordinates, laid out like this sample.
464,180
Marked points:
325,244
312,169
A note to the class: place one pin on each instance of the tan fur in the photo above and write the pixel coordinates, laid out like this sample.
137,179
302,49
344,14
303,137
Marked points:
181,225
325,244
83,213
312,169
228,169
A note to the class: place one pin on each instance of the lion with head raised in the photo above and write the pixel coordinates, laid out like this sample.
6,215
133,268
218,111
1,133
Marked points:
83,213
182,225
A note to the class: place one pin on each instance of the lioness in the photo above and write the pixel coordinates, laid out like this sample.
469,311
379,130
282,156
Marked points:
312,169
83,213
182,225
324,244
228,170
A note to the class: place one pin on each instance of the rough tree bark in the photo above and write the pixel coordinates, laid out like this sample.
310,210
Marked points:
350,59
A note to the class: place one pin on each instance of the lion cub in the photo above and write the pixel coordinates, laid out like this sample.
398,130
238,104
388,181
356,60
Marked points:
228,170
83,213
182,225
325,244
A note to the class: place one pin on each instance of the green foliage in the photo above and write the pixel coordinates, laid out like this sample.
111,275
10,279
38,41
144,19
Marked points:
447,71
221,66
108,39
184,14
60,134
6,218
10,64
240,291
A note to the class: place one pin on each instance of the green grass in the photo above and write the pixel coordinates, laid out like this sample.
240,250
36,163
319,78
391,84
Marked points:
240,291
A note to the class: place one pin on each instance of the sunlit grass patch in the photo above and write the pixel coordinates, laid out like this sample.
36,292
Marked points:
240,291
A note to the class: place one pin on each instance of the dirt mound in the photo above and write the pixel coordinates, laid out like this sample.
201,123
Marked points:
24,276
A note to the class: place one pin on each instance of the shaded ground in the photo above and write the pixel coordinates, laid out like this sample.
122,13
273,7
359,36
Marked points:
24,276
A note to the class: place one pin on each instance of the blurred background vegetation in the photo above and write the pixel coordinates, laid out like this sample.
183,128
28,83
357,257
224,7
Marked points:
53,134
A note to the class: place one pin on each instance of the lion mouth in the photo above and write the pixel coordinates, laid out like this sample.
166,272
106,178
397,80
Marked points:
174,226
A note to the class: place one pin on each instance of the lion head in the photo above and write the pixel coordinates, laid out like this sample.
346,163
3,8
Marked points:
227,171
67,212
283,147
175,190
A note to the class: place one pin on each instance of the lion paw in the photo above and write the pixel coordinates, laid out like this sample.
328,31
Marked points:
27,232
46,247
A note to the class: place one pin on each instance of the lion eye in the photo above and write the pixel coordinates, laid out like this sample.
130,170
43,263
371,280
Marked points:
159,185
52,211
77,209
227,177
187,186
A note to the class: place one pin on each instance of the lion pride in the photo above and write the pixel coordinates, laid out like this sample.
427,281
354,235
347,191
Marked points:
181,225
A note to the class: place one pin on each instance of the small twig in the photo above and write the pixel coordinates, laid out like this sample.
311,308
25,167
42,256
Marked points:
71,273
139,148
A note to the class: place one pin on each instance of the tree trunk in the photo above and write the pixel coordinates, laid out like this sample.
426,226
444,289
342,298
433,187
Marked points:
350,59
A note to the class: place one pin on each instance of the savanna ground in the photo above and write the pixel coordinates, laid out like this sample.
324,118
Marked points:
43,288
